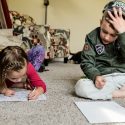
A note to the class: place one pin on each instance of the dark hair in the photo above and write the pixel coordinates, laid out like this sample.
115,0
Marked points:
11,58
106,17
117,4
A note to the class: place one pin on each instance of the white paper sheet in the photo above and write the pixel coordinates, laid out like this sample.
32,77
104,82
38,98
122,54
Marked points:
20,95
102,111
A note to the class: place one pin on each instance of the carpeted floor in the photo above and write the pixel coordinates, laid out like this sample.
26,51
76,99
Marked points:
58,109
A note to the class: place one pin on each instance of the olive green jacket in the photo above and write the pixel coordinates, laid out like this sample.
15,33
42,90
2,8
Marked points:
100,59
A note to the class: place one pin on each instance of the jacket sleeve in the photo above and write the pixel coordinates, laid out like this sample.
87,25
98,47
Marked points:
121,40
88,63
34,78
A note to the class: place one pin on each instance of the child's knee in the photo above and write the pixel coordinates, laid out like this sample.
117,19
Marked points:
80,88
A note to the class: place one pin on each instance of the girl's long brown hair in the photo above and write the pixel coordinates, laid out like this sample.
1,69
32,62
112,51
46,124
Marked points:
11,58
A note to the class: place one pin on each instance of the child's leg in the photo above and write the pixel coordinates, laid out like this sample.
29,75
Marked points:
123,88
86,88
118,93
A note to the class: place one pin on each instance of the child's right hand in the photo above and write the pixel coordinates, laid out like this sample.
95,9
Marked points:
8,92
99,82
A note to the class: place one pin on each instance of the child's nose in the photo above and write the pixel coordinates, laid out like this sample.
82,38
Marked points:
107,37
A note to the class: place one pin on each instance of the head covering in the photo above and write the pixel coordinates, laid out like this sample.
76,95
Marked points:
117,4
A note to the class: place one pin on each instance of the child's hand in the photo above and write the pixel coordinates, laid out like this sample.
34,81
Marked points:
117,20
99,82
33,95
8,92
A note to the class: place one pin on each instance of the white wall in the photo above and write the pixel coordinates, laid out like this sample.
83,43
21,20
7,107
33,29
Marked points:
80,16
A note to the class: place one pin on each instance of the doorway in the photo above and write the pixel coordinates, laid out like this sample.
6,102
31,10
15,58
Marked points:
5,21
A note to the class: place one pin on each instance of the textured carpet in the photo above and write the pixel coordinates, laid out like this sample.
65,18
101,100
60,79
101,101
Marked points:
59,108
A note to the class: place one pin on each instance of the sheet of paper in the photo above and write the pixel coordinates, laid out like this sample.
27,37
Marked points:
102,111
20,95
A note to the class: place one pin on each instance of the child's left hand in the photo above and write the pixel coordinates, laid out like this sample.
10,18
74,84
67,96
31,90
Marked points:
33,95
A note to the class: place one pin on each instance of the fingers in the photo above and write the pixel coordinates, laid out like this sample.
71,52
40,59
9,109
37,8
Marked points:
120,12
112,17
9,92
99,85
100,82
32,95
116,19
117,13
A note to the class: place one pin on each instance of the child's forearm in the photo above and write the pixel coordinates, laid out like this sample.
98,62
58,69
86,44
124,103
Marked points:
2,90
2,87
39,89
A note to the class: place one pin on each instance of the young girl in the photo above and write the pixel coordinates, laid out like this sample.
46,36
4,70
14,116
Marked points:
16,71
36,54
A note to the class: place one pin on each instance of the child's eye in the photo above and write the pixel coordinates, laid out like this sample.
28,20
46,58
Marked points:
114,35
104,31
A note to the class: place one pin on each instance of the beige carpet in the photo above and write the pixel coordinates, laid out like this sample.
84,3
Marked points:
58,109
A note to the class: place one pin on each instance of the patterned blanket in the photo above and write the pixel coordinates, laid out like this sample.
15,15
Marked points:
7,39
